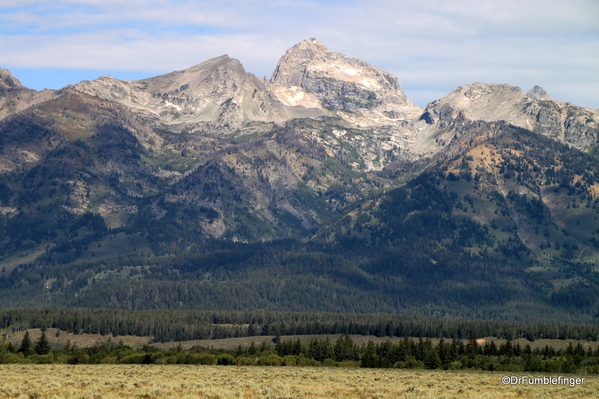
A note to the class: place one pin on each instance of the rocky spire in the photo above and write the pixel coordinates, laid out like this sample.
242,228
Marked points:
8,81
338,81
537,93
289,70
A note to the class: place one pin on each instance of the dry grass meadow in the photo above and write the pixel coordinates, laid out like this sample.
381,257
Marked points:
214,382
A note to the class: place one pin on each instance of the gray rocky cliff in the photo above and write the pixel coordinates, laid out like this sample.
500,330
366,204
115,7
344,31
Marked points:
574,125
251,158
8,81
362,95
339,82
217,95
14,97
538,93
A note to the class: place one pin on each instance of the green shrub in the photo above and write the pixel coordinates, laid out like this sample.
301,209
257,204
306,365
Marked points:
12,358
289,360
349,363
78,358
109,360
245,361
207,359
304,361
270,360
41,359
225,360
133,359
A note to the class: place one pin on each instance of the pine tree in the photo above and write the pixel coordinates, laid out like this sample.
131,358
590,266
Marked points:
472,348
432,359
42,347
298,348
25,347
344,349
252,350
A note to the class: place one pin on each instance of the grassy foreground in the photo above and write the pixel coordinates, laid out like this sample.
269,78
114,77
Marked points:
217,382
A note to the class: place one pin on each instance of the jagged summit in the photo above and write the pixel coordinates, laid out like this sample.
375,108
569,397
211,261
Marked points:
480,101
219,92
298,57
534,111
310,43
190,78
309,81
538,93
8,81
14,97
338,81
308,46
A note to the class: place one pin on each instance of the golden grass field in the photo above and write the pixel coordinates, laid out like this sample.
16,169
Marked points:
223,382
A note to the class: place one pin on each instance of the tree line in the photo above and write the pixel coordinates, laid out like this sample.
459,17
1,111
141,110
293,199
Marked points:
344,352
183,325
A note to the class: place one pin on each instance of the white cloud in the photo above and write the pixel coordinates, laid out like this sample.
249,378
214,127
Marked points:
433,46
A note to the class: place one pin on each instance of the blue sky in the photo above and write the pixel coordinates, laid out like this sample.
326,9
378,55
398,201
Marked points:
432,47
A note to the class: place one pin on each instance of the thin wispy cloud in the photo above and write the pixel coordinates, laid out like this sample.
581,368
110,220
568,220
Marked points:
432,46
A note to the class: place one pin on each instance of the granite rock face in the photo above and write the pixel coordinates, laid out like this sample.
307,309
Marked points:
8,81
340,82
353,90
350,88
535,111
216,95
538,93
219,97
14,97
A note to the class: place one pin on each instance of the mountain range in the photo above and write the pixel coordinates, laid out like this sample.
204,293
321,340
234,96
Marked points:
322,189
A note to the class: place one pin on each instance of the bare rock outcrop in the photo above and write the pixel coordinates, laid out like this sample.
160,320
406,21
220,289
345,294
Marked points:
8,81
571,124
538,93
216,95
14,97
359,93
310,71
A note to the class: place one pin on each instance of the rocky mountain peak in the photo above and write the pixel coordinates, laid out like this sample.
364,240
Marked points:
8,81
311,43
339,83
216,94
14,97
308,49
534,111
477,91
196,76
480,101
538,93
309,64
299,56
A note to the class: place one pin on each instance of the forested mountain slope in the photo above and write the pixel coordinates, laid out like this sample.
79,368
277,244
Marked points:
325,190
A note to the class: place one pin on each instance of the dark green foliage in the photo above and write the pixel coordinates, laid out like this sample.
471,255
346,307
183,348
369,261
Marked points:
25,347
406,353
183,325
345,349
42,346
579,296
